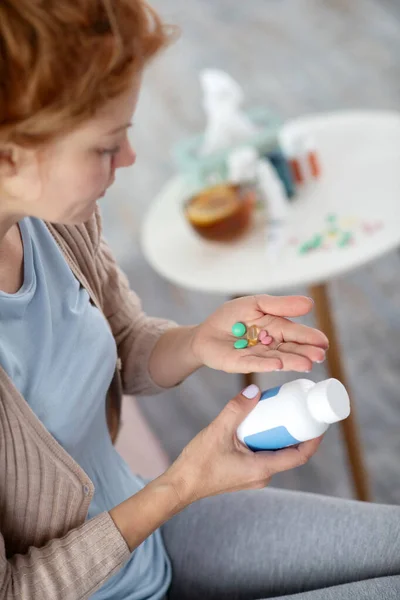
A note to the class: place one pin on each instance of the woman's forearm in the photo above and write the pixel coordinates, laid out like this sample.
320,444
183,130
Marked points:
139,516
172,359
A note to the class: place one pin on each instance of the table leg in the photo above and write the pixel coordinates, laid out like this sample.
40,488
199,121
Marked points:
320,296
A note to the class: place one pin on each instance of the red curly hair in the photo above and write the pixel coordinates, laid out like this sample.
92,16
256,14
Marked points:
61,60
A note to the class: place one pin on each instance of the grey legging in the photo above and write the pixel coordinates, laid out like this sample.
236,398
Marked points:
271,543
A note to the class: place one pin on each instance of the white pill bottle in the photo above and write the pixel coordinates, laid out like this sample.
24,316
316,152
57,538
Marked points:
294,412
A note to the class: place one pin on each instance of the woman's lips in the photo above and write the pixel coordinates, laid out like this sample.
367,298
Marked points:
109,185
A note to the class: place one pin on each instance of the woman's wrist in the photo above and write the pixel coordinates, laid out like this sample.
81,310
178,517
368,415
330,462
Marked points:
173,358
140,515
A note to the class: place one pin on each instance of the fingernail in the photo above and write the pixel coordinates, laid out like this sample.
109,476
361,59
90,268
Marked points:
280,369
319,362
251,391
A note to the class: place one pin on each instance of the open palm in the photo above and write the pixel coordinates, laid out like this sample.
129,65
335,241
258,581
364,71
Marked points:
299,345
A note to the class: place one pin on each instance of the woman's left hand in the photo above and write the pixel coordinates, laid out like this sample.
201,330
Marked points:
299,346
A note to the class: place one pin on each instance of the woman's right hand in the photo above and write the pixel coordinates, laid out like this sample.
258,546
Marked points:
213,463
216,461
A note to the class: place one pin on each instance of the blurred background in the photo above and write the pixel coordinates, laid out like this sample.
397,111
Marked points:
295,57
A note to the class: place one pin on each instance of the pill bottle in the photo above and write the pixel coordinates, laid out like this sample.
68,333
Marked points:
311,157
294,412
293,150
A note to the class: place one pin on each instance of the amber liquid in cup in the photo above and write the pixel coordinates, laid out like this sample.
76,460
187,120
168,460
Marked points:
222,212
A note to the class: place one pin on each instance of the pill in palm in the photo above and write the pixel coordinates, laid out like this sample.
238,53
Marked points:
266,340
238,329
240,344
252,334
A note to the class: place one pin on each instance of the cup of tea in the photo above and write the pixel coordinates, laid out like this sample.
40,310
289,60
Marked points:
222,212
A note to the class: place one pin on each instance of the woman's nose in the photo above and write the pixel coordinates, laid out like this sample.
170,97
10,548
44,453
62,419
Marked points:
126,157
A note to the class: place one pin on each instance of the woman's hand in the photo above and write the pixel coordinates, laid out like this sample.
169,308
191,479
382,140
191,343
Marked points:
216,461
294,347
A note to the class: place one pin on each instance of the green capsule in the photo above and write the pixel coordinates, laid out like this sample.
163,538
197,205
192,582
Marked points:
304,248
345,240
238,329
240,344
317,241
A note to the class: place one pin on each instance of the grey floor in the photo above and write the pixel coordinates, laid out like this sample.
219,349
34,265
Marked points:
294,56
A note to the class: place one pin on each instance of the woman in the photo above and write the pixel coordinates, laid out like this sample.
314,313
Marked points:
74,522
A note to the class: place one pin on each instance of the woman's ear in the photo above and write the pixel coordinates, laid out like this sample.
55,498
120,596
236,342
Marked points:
19,172
8,161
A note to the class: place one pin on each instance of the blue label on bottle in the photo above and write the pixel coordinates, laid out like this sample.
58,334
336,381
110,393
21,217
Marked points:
272,439
270,393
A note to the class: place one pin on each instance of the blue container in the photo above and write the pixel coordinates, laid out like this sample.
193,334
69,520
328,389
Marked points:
282,167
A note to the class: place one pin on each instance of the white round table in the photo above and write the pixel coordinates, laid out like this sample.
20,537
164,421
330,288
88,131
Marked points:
360,185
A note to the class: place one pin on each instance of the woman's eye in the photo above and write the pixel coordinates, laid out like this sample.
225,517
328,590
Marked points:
109,151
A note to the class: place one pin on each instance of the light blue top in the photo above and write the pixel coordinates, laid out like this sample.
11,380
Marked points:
59,351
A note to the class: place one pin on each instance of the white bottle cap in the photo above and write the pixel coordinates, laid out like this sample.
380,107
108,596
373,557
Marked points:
328,401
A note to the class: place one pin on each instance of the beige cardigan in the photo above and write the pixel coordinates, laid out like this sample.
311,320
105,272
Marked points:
47,548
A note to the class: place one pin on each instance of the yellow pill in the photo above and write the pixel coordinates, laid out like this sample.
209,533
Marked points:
348,223
252,334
